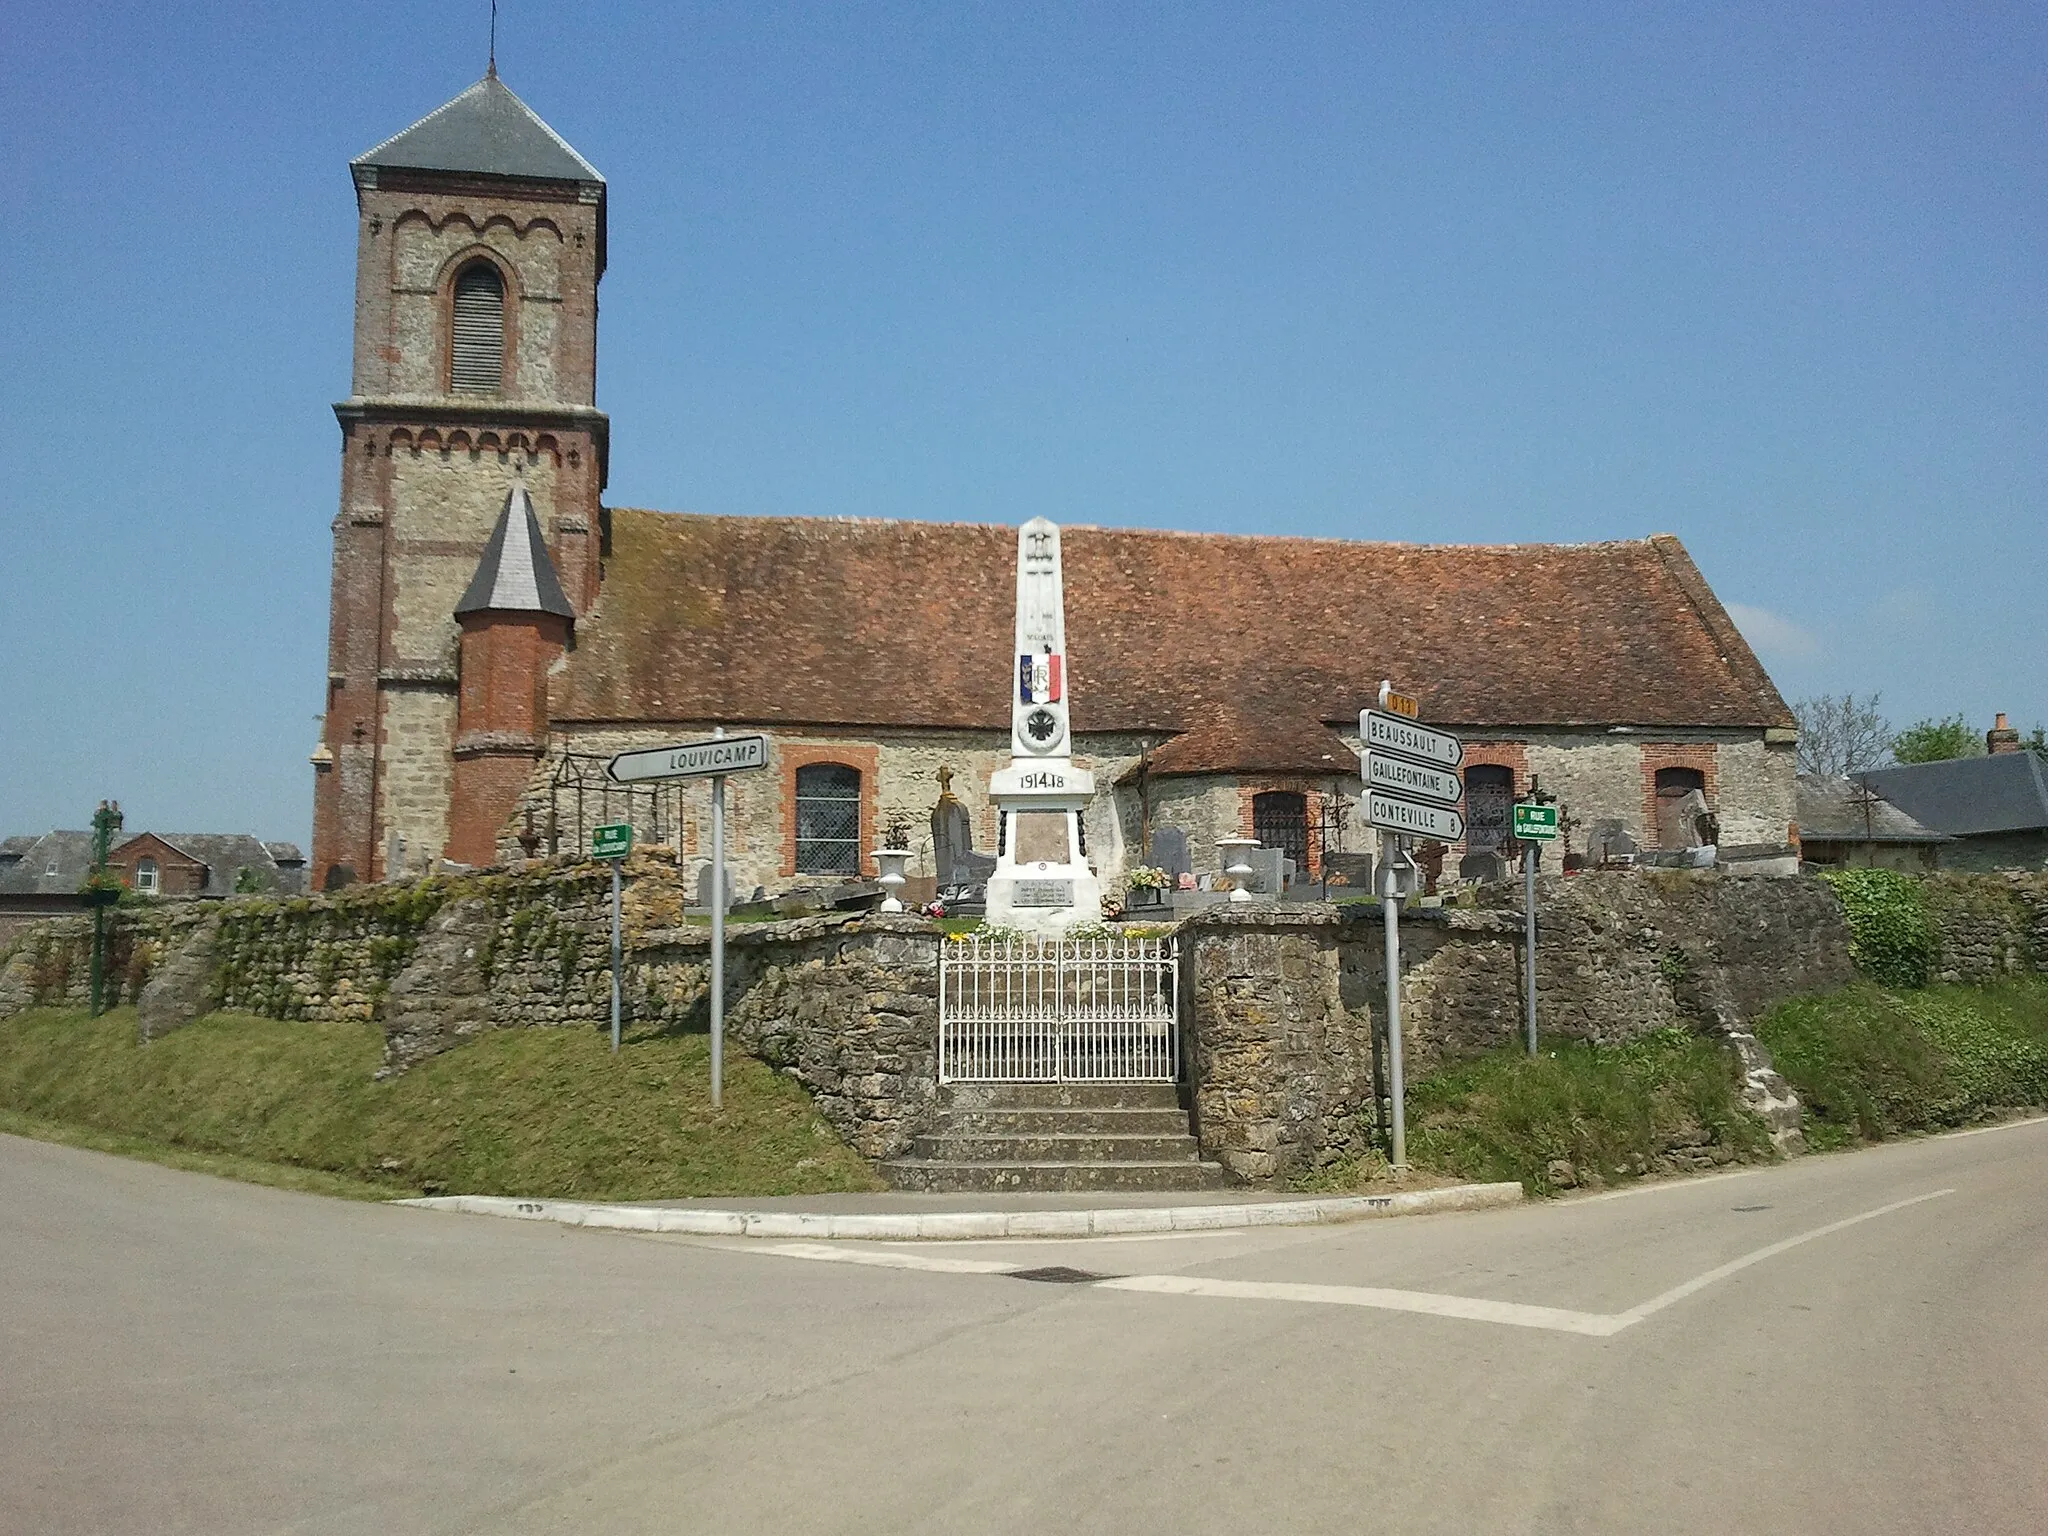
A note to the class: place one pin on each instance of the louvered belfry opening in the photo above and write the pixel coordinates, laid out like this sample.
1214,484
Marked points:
477,360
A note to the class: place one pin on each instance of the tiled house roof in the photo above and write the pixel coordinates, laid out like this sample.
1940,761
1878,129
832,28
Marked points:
1970,796
1842,811
866,623
1232,741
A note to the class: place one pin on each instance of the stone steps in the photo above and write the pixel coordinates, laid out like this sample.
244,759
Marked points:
1067,1122
952,1147
1027,1178
1045,1137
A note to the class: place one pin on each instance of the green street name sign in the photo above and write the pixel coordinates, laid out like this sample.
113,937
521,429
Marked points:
612,842
1535,823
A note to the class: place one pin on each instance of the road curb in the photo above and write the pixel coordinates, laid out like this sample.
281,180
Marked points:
940,1225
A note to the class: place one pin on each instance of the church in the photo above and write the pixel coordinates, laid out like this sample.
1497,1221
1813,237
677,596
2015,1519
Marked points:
497,631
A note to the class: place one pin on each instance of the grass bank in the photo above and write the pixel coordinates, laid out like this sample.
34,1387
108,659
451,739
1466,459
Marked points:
1870,1062
1577,1115
547,1112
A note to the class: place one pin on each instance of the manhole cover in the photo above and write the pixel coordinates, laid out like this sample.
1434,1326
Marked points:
1058,1274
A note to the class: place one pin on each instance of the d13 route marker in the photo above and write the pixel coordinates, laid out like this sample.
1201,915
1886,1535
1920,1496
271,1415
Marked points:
1413,818
1535,823
612,841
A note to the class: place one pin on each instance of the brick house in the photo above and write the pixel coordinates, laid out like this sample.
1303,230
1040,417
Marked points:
494,626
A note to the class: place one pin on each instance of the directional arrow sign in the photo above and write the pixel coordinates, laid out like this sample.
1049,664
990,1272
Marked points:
1419,781
1404,738
1413,817
691,760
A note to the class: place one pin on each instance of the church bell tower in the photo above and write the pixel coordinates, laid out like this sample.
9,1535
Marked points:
480,240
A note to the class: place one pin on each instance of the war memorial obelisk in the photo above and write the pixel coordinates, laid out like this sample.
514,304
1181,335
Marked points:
1042,883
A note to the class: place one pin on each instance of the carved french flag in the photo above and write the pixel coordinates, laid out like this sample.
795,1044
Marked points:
1038,678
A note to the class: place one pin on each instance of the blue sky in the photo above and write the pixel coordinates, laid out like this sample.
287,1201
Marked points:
1767,277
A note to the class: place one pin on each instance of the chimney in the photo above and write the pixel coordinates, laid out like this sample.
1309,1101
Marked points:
2001,737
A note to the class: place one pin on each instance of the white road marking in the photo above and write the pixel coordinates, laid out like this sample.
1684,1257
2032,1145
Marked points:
1513,1314
1699,1283
1475,1309
1988,1130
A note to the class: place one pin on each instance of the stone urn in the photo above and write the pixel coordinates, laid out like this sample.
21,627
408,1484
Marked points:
1237,864
890,862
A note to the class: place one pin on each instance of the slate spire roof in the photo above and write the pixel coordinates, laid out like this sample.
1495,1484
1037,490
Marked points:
486,130
515,574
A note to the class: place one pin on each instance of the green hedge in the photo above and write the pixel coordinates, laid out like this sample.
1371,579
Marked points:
1891,936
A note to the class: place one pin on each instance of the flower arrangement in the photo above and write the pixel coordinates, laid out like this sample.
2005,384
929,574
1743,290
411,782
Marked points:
1143,877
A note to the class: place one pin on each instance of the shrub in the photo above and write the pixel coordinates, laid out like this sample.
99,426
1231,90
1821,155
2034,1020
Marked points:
1891,938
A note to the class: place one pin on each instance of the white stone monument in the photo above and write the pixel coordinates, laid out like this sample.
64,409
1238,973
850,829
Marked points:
1042,884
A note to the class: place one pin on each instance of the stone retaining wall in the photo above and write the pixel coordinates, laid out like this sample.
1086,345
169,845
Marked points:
1286,999
1283,1002
1989,926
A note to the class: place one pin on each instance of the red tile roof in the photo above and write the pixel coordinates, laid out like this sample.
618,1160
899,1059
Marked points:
810,621
1232,741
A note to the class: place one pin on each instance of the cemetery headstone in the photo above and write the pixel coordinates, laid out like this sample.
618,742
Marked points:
952,836
1482,864
1170,853
704,887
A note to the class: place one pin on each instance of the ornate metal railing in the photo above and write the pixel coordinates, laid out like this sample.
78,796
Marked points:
1023,1010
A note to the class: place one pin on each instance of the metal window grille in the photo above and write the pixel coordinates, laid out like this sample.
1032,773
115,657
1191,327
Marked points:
1023,1010
828,819
477,359
1489,808
1280,820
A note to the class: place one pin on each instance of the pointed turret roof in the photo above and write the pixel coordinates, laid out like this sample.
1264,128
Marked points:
487,131
515,574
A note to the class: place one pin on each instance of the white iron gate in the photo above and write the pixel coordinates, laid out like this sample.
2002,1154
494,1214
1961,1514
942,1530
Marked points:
1021,1010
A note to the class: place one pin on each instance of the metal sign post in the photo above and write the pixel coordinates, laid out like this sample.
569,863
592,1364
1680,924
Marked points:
1535,825
713,759
613,842
718,935
1412,788
1390,916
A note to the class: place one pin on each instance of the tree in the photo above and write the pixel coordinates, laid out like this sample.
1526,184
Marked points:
1841,736
1936,741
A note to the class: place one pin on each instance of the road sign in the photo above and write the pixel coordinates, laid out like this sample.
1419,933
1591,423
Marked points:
1413,817
691,760
1404,738
613,841
1535,823
1418,781
1399,703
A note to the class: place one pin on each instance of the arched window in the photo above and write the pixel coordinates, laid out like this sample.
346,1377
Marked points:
1489,808
145,876
477,356
1280,820
827,819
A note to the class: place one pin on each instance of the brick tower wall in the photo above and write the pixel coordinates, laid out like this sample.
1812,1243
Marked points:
425,472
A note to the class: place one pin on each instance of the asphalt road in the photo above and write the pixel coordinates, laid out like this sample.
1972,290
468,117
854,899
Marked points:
179,1354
